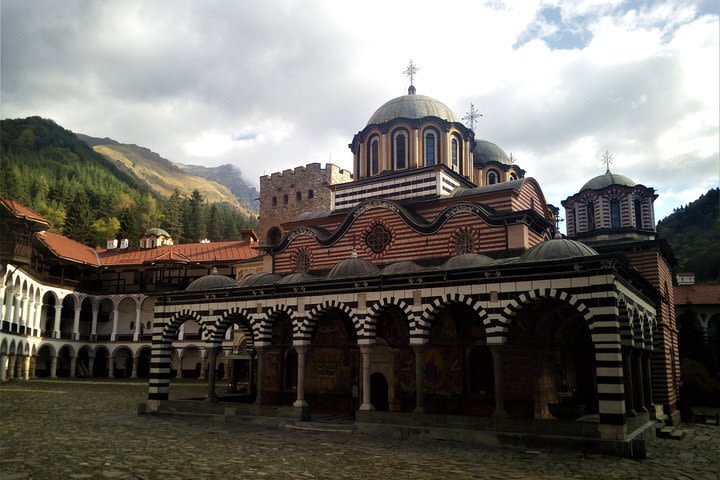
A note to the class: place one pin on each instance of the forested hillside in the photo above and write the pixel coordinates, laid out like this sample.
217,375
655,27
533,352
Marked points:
86,197
693,232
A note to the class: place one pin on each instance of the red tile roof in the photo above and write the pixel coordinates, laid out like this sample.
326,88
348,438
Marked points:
69,249
21,211
233,251
697,294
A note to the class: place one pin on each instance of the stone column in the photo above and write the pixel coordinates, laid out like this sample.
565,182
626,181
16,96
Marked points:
203,365
3,366
419,370
212,353
647,382
56,321
25,317
76,324
9,309
300,402
499,385
91,366
260,375
181,332
53,366
638,382
73,366
26,367
366,402
111,367
33,366
136,333
2,303
114,325
16,314
11,366
134,367
93,325
628,379
30,318
179,365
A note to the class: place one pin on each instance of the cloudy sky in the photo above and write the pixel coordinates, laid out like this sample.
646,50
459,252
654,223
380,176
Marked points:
275,84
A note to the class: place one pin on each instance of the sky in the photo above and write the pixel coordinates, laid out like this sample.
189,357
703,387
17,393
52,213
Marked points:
272,85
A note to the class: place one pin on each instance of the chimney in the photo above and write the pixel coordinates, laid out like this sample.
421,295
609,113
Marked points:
124,243
112,244
686,278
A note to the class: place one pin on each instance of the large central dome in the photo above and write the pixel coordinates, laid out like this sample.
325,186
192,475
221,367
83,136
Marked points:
414,107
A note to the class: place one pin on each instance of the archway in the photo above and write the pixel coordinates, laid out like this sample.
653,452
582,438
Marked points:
143,362
64,361
67,317
82,366
551,360
331,370
122,359
47,315
191,362
44,361
101,363
280,372
393,357
379,392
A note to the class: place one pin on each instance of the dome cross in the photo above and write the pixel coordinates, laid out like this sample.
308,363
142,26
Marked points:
410,71
471,116
607,159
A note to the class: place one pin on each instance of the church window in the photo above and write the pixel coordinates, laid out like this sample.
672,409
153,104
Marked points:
400,150
430,146
302,263
378,238
310,194
513,176
590,210
614,213
373,160
285,199
455,152
464,243
493,177
298,196
274,201
638,214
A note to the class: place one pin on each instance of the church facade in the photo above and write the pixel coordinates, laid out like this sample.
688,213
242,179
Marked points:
434,289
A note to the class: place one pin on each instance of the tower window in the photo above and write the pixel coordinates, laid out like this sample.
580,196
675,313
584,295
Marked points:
493,177
285,199
430,146
400,150
373,160
590,210
614,213
310,194
298,196
455,153
513,176
638,213
274,201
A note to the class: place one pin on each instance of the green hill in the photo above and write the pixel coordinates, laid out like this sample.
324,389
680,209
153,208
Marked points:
91,198
693,232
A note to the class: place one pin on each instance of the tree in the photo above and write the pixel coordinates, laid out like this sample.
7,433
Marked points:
79,219
214,223
198,221
105,229
173,222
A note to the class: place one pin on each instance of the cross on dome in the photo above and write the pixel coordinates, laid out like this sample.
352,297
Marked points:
410,71
607,159
471,116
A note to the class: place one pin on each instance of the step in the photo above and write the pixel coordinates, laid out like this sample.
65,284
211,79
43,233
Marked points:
677,434
320,427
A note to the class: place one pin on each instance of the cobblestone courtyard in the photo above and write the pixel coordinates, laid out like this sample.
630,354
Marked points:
73,429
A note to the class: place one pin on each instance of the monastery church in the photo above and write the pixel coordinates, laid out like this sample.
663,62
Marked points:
429,288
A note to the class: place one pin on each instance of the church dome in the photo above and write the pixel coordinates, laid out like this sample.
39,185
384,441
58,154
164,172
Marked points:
466,260
485,152
263,278
157,232
606,180
353,267
212,281
412,106
557,249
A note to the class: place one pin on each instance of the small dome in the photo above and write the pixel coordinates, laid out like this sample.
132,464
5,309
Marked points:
466,260
297,278
485,152
157,232
606,180
557,249
263,278
353,267
402,268
211,282
413,107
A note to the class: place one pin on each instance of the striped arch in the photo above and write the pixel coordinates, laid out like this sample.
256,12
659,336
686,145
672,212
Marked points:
369,328
650,328
170,327
307,325
639,329
233,316
265,325
627,319
422,326
524,299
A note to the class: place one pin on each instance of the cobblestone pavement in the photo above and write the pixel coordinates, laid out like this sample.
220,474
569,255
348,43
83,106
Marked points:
80,429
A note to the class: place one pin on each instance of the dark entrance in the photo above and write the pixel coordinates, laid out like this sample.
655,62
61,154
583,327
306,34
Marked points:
379,391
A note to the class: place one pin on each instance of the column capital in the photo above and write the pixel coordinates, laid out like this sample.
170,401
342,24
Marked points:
366,349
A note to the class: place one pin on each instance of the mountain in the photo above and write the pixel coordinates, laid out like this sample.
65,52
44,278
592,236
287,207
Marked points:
693,232
227,175
163,176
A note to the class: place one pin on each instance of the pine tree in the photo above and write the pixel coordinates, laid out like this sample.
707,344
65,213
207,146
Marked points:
79,219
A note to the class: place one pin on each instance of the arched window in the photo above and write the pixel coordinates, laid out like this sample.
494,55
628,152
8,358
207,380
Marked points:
638,213
464,243
430,147
400,150
590,210
373,158
614,213
493,177
455,153
513,176
302,263
310,194
298,196
274,201
273,236
285,199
